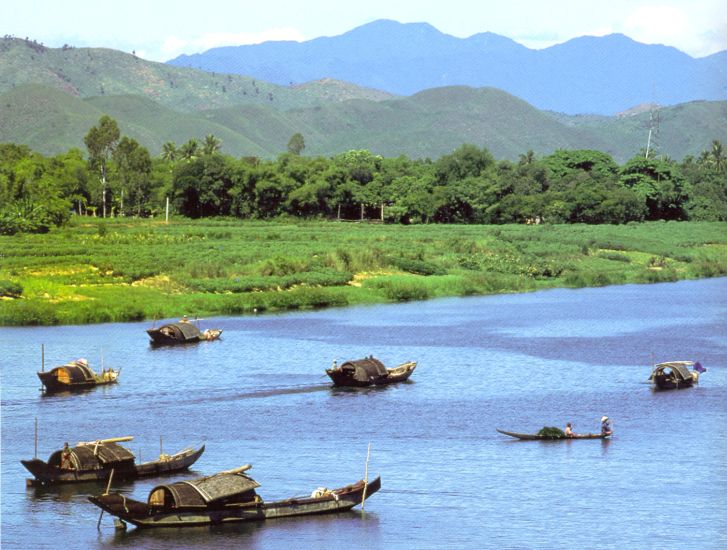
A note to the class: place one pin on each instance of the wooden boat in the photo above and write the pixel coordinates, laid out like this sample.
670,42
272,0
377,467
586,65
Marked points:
676,374
531,437
76,375
369,372
226,497
182,332
94,460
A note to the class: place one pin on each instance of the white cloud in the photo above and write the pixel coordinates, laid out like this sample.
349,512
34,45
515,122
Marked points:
657,24
173,45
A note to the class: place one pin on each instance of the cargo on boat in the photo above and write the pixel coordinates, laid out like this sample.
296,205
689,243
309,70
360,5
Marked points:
368,371
676,374
226,497
76,375
94,460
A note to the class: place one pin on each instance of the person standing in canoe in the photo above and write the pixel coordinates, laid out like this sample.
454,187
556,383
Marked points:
606,426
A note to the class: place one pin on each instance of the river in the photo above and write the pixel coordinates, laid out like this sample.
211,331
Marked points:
449,480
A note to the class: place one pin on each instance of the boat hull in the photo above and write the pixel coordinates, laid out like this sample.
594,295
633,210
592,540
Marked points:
671,383
342,377
141,515
51,384
536,437
45,474
159,338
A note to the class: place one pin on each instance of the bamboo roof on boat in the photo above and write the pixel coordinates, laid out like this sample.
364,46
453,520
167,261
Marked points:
680,368
91,456
223,485
78,371
188,331
370,365
210,489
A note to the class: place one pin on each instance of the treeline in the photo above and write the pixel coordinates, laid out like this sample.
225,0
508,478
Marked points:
118,177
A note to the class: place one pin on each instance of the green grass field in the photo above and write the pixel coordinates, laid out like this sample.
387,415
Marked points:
128,270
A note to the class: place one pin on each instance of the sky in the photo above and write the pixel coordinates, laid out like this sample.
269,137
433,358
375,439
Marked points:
160,30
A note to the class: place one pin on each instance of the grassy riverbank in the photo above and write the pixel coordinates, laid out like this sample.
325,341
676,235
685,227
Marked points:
126,270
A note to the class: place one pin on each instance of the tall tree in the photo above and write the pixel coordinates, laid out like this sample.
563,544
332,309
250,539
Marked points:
169,151
134,171
211,145
100,142
717,156
296,143
188,151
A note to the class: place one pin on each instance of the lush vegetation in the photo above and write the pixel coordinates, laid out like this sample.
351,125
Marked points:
119,178
96,270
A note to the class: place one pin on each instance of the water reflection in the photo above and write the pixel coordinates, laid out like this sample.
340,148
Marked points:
324,531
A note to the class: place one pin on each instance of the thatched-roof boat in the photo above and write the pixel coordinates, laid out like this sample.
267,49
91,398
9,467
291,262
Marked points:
182,332
369,371
94,460
676,374
226,497
531,437
76,375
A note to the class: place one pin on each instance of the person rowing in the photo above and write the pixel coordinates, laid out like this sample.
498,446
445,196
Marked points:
606,428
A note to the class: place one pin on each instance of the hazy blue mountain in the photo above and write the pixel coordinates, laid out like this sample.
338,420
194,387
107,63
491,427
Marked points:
602,75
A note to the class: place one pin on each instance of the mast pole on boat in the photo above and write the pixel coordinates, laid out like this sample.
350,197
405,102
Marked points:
36,438
366,478
42,358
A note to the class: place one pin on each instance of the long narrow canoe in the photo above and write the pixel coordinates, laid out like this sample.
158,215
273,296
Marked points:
531,437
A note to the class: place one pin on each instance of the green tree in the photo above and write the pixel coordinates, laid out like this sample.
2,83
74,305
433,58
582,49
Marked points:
188,151
100,142
296,144
466,161
169,151
660,184
133,166
717,156
202,187
211,145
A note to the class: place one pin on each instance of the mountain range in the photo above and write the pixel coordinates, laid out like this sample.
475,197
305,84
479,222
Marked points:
50,97
586,75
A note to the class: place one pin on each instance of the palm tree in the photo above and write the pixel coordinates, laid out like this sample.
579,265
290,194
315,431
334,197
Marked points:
211,145
718,158
188,151
169,151
527,159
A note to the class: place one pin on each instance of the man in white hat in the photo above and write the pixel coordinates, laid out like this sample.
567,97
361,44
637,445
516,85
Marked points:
606,426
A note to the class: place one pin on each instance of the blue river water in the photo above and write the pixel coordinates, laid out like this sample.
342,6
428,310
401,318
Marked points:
449,480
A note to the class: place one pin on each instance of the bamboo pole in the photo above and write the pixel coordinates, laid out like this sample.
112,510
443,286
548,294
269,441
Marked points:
42,358
108,440
111,478
36,438
366,478
108,488
166,217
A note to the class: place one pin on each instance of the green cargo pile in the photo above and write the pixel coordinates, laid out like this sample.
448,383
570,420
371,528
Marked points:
551,432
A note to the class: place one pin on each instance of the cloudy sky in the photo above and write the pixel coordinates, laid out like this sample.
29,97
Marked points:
162,29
